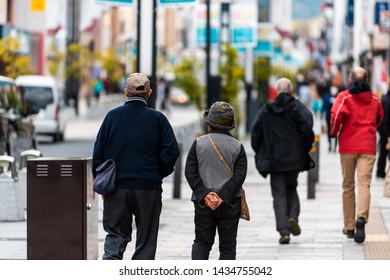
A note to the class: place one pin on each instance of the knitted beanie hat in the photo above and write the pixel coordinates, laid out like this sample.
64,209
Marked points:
220,115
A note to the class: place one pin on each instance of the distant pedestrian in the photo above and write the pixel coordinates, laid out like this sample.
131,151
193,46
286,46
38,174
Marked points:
107,85
98,88
161,85
303,90
328,98
167,96
282,136
355,117
384,141
149,155
216,193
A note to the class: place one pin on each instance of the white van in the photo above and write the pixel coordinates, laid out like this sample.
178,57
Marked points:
42,93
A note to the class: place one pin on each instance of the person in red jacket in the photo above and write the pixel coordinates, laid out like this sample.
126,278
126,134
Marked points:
355,118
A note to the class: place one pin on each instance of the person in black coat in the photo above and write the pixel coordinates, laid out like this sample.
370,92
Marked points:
282,136
384,133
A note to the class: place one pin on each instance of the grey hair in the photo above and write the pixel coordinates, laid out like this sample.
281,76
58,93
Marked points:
283,85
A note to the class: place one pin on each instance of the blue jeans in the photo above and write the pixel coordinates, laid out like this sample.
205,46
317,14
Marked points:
225,218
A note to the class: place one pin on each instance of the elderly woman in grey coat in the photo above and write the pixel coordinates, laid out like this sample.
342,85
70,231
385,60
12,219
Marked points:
216,192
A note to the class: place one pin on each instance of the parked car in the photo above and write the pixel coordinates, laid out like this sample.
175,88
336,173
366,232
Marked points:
42,94
17,131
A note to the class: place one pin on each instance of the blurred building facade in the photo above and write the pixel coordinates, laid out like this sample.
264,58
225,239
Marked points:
348,32
18,20
360,37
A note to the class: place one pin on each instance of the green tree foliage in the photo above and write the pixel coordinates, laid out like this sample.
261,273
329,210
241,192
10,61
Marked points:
112,65
55,59
262,70
77,57
279,72
185,79
15,64
232,74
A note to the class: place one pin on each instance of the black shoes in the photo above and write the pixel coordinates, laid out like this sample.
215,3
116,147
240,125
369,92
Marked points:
360,235
285,239
294,227
381,175
349,233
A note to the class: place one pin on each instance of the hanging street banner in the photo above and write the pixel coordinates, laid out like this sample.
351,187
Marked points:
178,2
114,2
265,46
243,25
200,24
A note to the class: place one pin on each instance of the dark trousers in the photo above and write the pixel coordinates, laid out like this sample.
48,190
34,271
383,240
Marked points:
382,159
119,208
225,218
286,201
330,138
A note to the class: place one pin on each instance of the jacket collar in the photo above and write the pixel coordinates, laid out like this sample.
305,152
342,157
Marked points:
136,98
221,131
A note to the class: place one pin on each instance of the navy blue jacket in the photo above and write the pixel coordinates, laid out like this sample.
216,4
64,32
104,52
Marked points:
150,153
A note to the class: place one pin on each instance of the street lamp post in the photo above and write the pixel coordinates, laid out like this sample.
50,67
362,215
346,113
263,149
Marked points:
208,49
72,82
146,44
213,82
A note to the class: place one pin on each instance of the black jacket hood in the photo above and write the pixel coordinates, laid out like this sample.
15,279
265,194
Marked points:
278,106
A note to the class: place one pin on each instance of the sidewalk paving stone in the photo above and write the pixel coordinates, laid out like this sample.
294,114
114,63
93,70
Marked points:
320,220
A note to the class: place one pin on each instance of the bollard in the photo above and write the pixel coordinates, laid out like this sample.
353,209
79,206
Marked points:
24,156
177,175
11,208
313,174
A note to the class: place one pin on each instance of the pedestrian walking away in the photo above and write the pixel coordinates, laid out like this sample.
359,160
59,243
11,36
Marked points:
98,88
282,136
328,97
384,141
148,157
355,117
216,192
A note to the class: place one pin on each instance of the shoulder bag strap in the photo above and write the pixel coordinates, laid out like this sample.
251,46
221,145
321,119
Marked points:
128,134
220,156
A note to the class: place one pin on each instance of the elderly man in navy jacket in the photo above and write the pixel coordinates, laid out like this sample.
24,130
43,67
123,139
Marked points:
149,156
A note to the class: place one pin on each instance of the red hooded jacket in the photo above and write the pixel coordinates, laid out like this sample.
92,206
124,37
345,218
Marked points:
355,117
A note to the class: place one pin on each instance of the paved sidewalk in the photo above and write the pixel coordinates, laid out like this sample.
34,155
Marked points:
321,221
321,218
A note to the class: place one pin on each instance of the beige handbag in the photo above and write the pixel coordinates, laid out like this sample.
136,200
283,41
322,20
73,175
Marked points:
244,205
